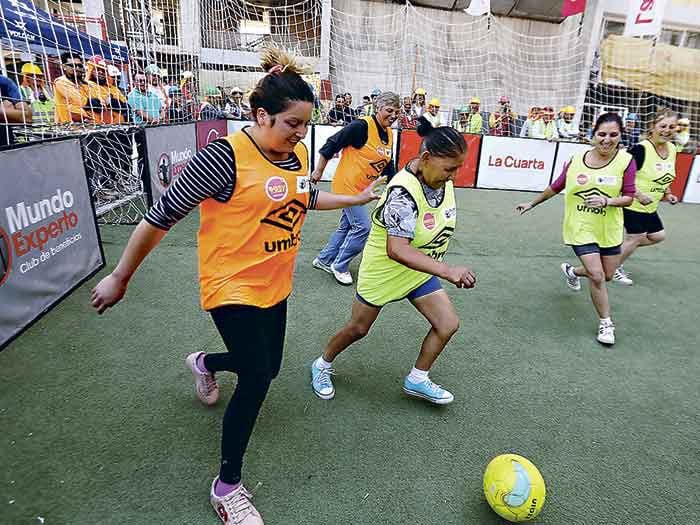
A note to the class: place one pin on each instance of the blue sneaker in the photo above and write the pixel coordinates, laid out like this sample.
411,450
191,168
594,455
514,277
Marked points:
321,381
428,391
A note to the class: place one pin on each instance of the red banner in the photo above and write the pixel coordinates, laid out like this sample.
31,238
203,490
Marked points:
683,163
210,130
572,7
466,176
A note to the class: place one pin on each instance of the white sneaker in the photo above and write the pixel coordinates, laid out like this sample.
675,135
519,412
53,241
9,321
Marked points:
606,333
321,266
622,277
572,281
204,384
235,508
343,278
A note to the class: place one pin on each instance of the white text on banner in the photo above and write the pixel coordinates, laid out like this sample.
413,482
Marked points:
515,164
692,188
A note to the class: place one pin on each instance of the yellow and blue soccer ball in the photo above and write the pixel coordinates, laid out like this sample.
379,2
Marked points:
514,488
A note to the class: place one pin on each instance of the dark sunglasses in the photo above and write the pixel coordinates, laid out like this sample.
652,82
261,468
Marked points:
76,66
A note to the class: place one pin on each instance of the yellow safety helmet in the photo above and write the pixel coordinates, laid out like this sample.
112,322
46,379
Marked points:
685,122
420,91
475,100
434,102
568,109
31,69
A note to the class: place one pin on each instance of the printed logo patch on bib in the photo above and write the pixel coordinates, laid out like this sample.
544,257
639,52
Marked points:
450,212
582,179
606,180
302,184
276,188
429,220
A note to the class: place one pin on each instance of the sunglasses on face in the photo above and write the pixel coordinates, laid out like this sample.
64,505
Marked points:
76,66
237,94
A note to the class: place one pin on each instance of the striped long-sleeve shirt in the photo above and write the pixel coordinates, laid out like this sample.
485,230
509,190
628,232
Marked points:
210,174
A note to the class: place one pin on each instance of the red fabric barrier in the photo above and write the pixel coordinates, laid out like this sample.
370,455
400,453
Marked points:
683,163
466,176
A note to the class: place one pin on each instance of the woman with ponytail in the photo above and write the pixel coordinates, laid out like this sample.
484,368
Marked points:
253,193
403,258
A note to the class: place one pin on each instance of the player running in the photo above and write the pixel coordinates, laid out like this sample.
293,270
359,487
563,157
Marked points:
599,183
411,229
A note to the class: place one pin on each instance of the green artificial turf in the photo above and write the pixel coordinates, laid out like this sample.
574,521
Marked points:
99,422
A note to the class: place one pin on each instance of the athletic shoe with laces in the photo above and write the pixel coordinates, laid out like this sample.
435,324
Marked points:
572,281
321,265
204,384
606,333
321,381
429,391
622,277
236,507
343,278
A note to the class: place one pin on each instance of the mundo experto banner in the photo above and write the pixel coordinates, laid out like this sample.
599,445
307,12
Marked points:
170,148
515,164
49,242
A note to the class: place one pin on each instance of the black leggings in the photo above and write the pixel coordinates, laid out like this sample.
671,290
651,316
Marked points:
254,338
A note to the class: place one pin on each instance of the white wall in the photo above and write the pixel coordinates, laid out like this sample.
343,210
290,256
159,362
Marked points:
681,14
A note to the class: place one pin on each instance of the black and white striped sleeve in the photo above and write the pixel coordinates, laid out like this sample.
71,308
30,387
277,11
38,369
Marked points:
210,174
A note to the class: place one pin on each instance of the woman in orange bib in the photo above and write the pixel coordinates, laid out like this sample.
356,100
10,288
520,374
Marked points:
366,145
253,192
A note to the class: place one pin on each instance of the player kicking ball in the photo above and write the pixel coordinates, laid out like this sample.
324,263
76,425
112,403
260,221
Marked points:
411,229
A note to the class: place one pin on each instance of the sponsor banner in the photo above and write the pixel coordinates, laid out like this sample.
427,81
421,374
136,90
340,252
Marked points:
466,176
170,148
515,164
644,17
684,162
237,125
210,130
692,190
49,242
566,150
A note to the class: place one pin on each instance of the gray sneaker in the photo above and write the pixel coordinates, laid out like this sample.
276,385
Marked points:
572,281
622,277
321,266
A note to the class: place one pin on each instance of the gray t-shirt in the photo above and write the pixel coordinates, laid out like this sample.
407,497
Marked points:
400,212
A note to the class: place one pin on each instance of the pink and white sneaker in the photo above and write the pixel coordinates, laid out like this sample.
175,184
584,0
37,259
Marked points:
236,507
204,384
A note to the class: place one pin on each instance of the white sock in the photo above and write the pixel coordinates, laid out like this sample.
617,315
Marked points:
605,320
322,363
417,376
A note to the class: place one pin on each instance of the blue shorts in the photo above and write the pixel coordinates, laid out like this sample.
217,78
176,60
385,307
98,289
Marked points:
428,287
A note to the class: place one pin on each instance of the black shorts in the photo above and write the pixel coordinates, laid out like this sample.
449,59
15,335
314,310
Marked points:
638,222
585,249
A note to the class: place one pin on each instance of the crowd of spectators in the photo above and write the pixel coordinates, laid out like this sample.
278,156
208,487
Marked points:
92,92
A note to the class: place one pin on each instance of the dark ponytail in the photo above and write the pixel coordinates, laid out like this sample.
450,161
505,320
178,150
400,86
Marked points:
608,117
283,83
442,141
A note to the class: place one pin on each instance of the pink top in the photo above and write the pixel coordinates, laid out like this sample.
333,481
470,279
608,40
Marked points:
628,186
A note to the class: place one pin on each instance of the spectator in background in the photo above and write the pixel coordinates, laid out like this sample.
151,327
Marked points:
419,102
348,107
682,139
70,91
235,107
337,115
502,121
407,119
177,112
108,104
470,119
35,93
532,116
13,110
365,110
632,131
154,79
433,113
565,124
145,105
211,105
189,92
545,128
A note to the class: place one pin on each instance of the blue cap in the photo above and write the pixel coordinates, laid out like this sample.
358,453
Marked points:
632,116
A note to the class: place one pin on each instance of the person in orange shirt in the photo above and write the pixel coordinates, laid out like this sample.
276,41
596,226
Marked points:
71,92
253,193
107,103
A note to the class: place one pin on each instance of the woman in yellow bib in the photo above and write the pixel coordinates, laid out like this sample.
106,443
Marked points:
411,229
366,146
656,169
599,183
252,189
